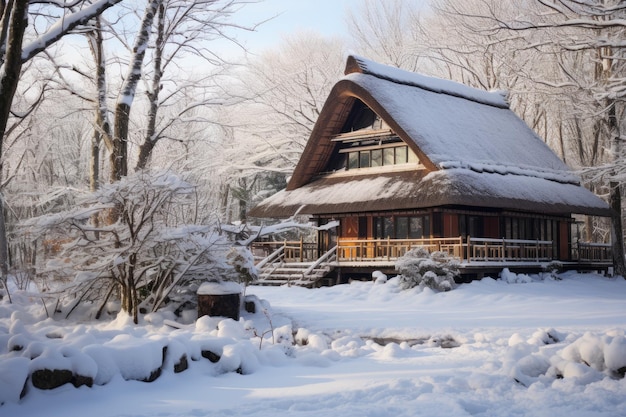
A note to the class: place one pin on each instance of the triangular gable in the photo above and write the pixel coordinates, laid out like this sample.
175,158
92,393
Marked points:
336,111
447,124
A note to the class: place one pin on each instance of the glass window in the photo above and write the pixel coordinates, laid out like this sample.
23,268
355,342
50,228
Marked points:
353,160
549,229
388,156
377,158
475,226
383,227
402,227
381,157
402,155
416,228
364,159
388,229
378,227
463,224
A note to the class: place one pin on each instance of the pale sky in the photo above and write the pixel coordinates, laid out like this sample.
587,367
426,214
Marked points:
324,16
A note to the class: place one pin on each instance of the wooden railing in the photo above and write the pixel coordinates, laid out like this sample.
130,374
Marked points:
391,249
484,249
467,249
593,251
294,251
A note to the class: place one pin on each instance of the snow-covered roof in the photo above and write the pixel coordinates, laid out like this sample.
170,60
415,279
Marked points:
419,189
357,64
477,151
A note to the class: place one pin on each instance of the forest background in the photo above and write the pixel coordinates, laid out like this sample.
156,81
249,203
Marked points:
106,101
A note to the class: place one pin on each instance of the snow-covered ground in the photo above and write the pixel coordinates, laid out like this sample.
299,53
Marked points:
513,347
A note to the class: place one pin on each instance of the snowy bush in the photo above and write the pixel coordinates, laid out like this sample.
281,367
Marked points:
242,260
581,360
147,257
419,268
605,353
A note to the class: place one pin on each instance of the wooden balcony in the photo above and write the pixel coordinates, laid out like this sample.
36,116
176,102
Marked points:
466,250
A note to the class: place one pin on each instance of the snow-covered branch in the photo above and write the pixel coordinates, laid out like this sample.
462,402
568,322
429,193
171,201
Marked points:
65,25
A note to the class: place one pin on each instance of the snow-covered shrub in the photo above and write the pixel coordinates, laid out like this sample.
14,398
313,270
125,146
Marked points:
242,260
420,268
554,268
605,353
583,360
147,257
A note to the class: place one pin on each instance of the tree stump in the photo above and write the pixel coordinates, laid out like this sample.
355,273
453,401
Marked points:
219,299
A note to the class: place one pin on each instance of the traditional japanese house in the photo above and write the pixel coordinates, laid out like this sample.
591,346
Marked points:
399,160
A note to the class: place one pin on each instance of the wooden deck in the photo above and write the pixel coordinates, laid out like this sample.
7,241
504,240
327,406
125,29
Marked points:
300,263
466,250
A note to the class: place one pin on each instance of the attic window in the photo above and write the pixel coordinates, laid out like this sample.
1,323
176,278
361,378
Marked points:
376,157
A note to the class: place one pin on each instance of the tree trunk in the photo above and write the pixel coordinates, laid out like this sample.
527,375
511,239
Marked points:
9,77
615,197
119,155
145,151
102,129
617,237
150,140
4,250
12,65
119,151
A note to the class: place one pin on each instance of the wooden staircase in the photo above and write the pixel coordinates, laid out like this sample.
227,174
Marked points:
274,270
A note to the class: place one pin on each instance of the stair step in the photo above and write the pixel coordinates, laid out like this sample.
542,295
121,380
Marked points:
293,273
277,282
291,269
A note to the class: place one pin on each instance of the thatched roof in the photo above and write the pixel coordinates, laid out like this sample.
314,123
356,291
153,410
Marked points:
475,151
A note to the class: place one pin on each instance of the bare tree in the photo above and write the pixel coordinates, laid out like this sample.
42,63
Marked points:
144,257
264,136
183,29
389,32
15,15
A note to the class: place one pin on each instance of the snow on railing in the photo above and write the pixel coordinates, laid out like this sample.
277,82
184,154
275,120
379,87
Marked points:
324,258
273,257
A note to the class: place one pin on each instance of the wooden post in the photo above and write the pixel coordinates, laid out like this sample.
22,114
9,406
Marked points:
301,249
469,249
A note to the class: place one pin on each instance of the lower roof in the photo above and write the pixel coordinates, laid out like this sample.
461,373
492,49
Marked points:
414,189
